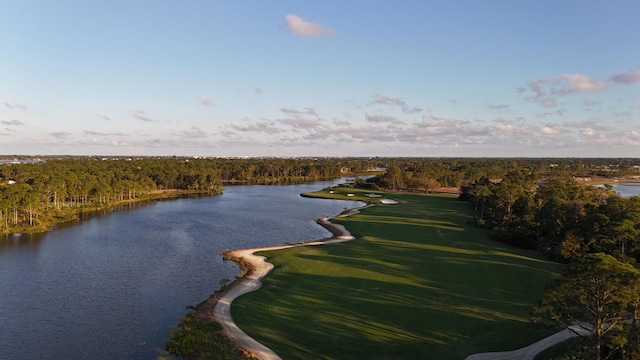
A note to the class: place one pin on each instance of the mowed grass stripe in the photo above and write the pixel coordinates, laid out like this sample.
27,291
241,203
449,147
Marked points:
418,282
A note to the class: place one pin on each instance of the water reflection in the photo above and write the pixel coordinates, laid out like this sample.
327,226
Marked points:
19,239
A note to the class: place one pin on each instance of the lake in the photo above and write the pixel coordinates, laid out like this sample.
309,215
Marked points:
112,286
627,190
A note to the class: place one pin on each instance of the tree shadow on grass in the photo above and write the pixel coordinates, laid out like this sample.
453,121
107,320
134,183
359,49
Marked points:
343,302
417,282
346,318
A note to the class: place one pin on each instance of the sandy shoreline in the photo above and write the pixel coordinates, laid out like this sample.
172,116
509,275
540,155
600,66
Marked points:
255,268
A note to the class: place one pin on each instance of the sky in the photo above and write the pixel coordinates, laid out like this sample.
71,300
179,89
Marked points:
415,78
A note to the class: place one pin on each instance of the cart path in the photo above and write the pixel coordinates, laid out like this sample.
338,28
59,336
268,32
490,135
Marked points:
251,282
530,352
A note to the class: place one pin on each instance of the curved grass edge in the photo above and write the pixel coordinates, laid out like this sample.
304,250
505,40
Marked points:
192,338
357,194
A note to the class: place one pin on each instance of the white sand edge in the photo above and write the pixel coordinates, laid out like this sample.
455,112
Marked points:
251,282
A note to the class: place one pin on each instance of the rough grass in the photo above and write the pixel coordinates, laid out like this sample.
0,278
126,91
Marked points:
417,283
197,339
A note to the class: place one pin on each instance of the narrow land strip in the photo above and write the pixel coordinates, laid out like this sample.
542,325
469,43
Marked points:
260,268
251,282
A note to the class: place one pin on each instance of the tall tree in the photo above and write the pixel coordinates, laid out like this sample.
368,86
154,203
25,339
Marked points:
623,228
594,293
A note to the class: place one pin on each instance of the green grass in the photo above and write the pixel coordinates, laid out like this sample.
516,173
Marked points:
417,283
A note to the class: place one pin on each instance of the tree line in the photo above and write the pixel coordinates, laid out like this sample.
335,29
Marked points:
592,229
557,215
427,174
35,195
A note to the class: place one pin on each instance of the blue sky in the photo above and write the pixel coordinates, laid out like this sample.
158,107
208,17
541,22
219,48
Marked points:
320,78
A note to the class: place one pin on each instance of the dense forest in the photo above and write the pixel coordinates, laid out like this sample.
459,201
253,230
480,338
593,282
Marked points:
430,173
558,216
37,193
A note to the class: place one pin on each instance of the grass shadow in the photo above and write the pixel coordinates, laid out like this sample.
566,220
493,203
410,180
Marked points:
417,282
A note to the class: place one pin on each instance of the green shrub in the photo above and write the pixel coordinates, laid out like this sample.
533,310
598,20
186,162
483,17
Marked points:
197,339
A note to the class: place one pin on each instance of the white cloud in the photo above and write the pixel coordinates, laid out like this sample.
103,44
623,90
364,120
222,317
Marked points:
545,89
548,102
628,78
549,130
570,83
369,134
514,129
60,134
12,122
430,132
411,110
622,114
141,115
206,101
559,112
298,26
500,107
341,122
15,106
259,127
434,121
193,132
592,124
382,119
97,133
301,122
385,100
307,111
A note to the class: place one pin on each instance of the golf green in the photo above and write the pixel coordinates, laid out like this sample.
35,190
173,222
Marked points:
418,282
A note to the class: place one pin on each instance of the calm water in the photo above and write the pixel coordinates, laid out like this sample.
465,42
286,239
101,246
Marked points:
627,190
112,286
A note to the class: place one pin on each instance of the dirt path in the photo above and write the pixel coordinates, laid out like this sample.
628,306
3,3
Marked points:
251,282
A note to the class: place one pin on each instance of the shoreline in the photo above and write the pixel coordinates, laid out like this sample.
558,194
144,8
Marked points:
254,268
78,214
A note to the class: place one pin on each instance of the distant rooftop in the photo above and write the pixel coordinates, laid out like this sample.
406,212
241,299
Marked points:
20,161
